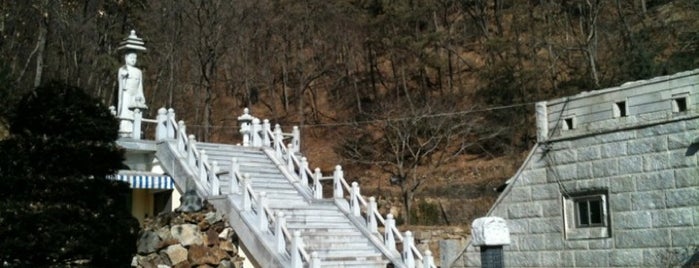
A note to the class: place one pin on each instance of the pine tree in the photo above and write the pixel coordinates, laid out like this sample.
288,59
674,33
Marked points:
58,208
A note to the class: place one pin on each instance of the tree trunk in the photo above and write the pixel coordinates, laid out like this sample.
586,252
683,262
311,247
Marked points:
43,32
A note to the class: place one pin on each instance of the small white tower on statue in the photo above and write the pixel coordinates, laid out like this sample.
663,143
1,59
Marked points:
130,84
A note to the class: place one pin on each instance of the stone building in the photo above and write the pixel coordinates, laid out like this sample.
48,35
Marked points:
612,182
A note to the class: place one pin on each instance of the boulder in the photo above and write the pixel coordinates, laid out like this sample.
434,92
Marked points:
200,255
176,253
148,242
187,234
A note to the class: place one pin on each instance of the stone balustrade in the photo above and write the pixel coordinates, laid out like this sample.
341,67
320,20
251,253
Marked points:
260,134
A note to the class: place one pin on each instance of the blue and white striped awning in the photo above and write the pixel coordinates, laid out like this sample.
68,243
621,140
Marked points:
141,181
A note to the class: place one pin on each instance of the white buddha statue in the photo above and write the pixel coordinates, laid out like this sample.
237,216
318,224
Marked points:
130,81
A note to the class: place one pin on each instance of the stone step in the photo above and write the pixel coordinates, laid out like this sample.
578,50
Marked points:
353,263
348,254
323,226
314,219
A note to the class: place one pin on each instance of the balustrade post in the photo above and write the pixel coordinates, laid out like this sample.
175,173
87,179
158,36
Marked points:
245,131
266,128
215,184
371,222
247,203
203,158
278,140
296,261
235,168
279,233
191,159
354,199
427,260
255,137
261,215
137,116
170,121
289,158
161,127
389,240
181,136
317,187
408,257
296,139
315,260
112,110
337,183
302,171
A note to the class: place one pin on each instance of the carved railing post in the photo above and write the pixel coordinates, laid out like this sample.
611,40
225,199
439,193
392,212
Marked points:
266,127
215,184
302,171
181,136
203,158
235,168
317,187
408,257
247,203
191,159
315,260
279,233
263,223
337,183
170,121
371,215
137,117
296,261
389,239
354,199
161,127
289,158
278,140
428,260
255,138
296,139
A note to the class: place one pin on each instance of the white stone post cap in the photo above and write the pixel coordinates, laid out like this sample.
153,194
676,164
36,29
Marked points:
490,231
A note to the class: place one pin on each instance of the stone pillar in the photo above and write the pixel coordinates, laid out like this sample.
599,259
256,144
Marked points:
490,234
542,121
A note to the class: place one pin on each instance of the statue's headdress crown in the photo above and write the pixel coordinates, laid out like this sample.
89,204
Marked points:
132,42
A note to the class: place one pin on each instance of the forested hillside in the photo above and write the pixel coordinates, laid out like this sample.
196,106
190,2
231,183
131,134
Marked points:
419,99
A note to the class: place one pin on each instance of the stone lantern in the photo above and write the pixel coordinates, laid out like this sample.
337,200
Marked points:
245,122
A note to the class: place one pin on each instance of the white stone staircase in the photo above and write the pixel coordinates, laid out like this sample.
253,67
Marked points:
324,228
275,202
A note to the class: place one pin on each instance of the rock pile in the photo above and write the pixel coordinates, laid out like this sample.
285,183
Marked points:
187,239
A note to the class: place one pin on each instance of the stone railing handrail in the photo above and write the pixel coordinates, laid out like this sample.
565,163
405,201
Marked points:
257,204
168,128
208,174
261,134
209,177
392,236
137,120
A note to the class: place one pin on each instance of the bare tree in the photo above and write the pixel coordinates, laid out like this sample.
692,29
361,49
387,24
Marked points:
411,144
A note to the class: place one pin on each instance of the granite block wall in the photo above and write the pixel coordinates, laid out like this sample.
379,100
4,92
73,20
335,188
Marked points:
648,173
